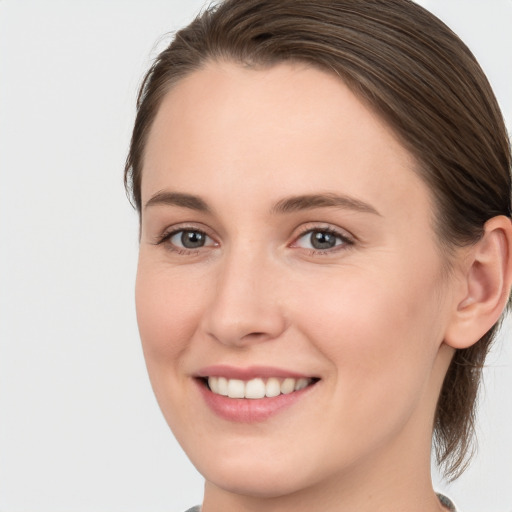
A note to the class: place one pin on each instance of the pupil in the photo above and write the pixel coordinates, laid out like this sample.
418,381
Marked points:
192,239
322,240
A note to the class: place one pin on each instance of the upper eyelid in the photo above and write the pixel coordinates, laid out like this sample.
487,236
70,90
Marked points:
170,231
348,241
299,232
310,227
187,226
341,241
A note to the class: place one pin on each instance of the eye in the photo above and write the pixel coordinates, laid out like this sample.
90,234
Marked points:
322,239
183,240
189,239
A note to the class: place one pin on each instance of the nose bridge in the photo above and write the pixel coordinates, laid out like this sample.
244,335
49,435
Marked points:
244,305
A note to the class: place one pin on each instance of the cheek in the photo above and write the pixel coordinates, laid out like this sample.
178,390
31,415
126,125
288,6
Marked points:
380,334
362,309
167,313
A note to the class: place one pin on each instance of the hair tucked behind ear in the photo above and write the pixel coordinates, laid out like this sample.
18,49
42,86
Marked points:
418,76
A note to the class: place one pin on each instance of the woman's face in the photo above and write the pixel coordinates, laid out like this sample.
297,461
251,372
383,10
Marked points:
287,241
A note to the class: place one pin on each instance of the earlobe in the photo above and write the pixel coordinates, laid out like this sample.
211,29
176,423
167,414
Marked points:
486,286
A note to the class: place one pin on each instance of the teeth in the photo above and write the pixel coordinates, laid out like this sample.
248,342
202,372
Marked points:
213,382
236,388
301,384
223,386
273,388
256,388
287,386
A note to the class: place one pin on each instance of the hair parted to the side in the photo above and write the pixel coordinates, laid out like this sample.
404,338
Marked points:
420,78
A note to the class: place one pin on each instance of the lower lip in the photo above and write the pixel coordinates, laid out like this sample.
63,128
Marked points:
248,410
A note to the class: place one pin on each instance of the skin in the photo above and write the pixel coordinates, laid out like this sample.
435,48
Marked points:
368,317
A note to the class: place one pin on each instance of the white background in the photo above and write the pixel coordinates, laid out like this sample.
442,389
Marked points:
79,427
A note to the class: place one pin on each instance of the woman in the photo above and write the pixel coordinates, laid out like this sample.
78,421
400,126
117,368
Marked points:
325,255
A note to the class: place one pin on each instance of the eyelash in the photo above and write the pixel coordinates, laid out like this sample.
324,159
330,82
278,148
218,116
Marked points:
346,241
167,236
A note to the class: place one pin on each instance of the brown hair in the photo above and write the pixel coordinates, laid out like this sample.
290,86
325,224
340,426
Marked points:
415,73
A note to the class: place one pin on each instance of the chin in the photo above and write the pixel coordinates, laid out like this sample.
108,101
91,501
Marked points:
269,481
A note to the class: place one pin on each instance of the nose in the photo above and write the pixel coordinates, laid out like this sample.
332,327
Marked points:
244,307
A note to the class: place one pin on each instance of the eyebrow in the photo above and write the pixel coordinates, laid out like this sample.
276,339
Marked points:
286,205
312,201
178,199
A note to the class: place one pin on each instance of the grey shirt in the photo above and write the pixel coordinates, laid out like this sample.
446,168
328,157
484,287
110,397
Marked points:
446,502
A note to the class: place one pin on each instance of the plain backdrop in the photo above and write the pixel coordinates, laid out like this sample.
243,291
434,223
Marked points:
79,427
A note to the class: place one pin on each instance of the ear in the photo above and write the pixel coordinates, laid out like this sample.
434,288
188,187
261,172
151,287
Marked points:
485,287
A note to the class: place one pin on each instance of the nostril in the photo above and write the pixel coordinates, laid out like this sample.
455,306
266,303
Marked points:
255,334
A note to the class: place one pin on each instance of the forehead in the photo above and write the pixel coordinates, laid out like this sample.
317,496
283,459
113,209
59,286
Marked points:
285,129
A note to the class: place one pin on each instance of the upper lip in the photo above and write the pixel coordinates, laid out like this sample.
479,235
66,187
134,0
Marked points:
248,373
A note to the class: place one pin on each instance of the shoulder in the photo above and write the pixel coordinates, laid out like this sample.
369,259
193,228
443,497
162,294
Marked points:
194,509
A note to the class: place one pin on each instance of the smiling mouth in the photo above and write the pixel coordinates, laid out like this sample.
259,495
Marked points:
257,388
